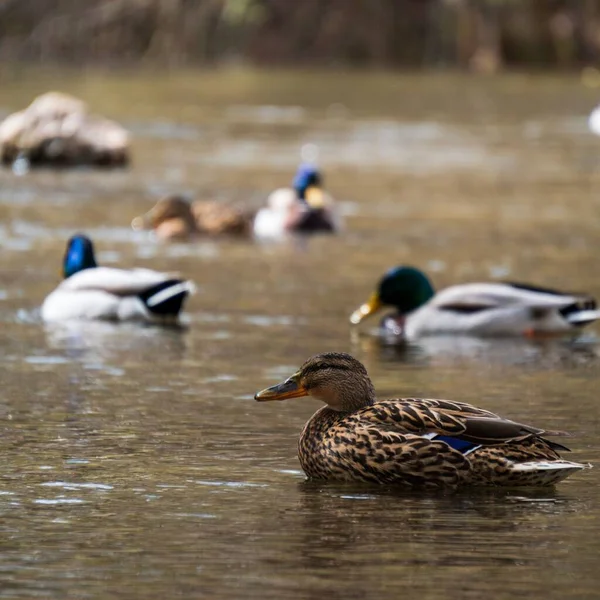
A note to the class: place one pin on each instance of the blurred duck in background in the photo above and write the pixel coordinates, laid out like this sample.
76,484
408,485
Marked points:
175,217
594,120
303,208
480,309
90,292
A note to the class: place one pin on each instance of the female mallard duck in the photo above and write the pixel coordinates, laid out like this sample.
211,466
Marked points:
90,292
410,441
493,309
174,217
305,208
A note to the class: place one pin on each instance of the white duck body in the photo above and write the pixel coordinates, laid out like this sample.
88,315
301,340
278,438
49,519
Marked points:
496,309
594,121
285,212
276,218
106,293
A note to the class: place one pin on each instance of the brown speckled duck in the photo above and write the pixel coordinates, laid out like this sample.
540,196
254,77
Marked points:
411,441
174,217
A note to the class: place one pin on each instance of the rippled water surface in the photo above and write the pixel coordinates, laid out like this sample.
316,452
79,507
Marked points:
135,462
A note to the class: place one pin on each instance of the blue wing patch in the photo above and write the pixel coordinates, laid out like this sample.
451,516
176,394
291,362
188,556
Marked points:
462,446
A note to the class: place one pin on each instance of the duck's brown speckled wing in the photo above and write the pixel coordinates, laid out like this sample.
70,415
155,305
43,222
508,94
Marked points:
218,218
378,454
420,416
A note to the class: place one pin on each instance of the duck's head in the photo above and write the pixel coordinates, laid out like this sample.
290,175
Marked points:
336,378
404,288
170,217
79,255
308,184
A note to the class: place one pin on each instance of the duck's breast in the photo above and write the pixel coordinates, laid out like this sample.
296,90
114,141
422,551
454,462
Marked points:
64,305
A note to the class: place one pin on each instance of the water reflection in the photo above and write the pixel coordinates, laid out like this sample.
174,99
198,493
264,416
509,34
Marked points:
418,521
453,350
100,341
403,533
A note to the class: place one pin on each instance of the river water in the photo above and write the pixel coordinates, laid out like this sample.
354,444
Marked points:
136,463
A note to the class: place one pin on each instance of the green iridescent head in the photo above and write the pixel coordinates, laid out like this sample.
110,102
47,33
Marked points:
404,288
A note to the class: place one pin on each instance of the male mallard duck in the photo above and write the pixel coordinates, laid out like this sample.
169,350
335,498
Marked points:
174,217
90,292
411,441
493,309
305,208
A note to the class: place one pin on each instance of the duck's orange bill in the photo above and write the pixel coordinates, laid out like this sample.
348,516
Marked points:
372,305
282,391
141,222
315,197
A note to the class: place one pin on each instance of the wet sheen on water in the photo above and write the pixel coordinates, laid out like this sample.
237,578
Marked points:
136,463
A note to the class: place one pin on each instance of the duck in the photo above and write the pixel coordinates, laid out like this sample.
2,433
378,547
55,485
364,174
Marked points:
594,121
89,292
304,208
174,217
479,309
412,442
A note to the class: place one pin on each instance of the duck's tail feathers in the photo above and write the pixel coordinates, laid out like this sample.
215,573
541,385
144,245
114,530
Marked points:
582,316
555,445
582,312
551,471
166,299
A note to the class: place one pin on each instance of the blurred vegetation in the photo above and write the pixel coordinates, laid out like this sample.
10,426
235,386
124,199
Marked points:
482,35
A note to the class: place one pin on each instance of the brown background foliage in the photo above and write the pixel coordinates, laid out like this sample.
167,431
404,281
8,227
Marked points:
482,35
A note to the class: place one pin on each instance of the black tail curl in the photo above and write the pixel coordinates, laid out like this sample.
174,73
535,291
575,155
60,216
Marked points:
166,298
